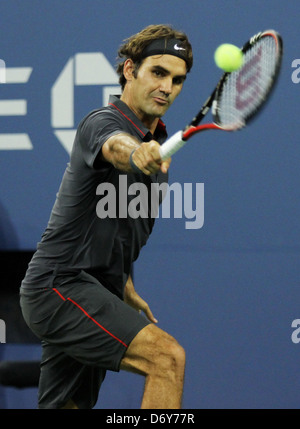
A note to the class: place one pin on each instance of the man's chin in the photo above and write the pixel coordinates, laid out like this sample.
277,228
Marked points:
159,111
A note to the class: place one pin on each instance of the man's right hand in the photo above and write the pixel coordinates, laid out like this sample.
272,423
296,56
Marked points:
147,158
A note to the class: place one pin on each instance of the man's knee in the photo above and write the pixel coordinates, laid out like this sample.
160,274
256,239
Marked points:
153,351
170,357
178,353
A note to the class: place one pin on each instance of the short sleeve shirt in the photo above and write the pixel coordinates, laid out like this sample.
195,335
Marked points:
91,226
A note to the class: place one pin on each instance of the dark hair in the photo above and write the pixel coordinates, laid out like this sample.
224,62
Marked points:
135,45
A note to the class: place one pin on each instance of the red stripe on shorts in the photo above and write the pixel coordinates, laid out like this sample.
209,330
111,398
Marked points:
58,293
90,317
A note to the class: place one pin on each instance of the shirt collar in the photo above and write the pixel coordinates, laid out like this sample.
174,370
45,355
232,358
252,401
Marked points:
146,135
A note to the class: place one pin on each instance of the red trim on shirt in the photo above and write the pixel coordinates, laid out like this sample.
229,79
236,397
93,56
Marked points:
128,118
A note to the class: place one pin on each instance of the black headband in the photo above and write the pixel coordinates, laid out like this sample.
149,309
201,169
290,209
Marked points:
166,46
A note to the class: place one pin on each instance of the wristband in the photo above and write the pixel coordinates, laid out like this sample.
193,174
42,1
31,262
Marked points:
133,165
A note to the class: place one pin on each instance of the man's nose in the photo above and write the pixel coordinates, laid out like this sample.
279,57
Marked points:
166,85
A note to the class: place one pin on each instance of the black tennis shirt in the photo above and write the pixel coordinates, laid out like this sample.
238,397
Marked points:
76,238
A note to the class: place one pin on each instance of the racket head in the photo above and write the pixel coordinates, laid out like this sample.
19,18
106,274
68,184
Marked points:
241,94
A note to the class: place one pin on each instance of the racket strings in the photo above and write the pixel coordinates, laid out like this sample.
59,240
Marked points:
245,90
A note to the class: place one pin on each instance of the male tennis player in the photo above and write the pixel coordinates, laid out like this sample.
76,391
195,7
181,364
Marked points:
78,296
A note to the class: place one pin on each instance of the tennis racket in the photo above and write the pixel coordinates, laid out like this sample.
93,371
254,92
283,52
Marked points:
239,95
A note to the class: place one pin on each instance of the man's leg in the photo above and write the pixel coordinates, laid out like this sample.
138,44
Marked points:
159,357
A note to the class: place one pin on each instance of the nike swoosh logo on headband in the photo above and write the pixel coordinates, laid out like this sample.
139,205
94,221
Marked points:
178,48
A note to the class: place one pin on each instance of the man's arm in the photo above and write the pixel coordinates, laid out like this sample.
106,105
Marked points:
132,298
118,148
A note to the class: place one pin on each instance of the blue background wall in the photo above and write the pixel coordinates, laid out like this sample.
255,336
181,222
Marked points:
229,291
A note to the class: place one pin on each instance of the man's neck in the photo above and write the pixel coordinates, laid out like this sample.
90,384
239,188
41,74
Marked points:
150,122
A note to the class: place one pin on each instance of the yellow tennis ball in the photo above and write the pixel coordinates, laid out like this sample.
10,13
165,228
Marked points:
228,57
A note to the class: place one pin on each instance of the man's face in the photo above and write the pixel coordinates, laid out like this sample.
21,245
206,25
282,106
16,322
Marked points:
157,83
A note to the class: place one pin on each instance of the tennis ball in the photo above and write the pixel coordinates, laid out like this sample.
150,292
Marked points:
228,57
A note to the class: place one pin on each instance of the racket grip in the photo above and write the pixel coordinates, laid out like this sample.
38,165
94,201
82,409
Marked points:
172,145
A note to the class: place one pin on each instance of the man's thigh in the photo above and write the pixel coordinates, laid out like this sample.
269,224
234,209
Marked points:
83,319
82,325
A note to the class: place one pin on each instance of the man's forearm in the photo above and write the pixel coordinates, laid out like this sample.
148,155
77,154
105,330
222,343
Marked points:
117,150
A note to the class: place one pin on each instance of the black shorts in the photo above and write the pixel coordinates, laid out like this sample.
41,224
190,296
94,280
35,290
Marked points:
85,330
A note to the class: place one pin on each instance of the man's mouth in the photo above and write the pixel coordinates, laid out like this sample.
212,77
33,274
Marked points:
160,100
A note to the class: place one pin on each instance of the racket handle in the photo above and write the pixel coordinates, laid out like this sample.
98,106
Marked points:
172,145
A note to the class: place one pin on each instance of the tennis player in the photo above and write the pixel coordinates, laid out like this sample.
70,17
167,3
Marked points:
78,296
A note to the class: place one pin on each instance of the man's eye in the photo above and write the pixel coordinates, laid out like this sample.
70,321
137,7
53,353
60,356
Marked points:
178,81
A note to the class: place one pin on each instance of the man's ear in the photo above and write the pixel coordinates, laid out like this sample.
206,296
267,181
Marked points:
128,69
